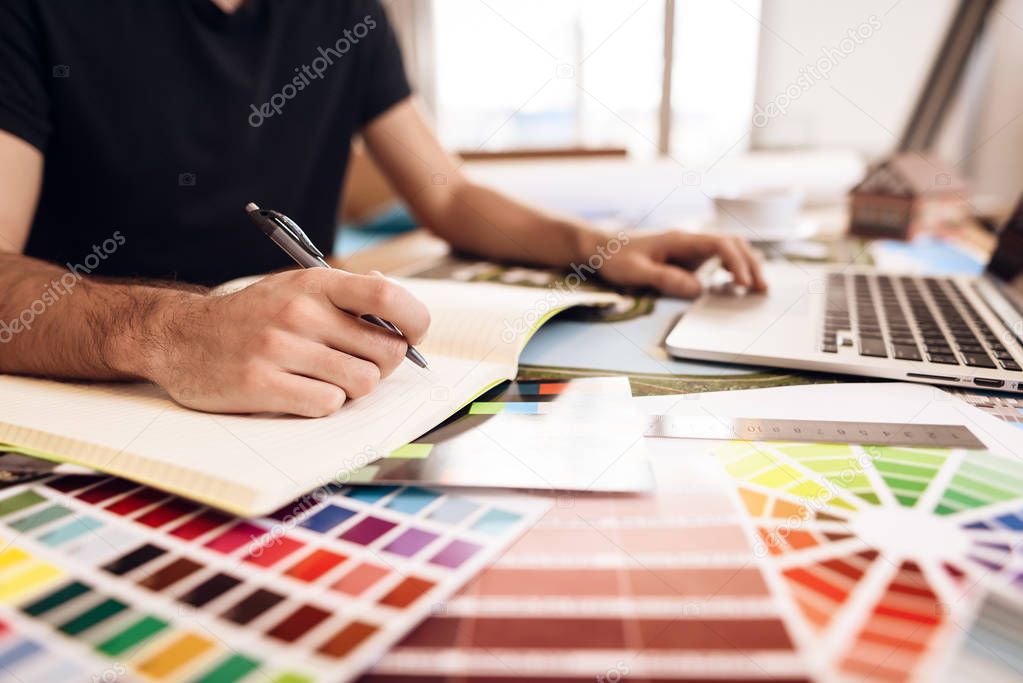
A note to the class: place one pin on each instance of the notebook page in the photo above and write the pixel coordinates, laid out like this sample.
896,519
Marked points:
253,464
246,464
487,320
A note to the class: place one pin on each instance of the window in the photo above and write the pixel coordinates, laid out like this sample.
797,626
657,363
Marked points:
574,73
714,77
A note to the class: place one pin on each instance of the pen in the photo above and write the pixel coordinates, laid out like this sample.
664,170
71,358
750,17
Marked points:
288,236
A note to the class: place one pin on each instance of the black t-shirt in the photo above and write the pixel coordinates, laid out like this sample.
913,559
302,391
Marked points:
160,119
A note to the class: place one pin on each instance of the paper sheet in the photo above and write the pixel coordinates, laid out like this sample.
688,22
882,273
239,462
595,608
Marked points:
251,464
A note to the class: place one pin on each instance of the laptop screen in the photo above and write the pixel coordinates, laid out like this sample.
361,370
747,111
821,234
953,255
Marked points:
1007,262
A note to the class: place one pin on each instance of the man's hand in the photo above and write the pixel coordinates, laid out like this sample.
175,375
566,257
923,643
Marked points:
666,261
291,343
478,220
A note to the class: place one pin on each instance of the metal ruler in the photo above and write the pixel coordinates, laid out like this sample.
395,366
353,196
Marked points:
869,433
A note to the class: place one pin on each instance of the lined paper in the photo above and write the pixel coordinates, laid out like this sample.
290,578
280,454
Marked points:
252,464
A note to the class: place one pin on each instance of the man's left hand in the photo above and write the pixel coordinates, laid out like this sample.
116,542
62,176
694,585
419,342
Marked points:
667,261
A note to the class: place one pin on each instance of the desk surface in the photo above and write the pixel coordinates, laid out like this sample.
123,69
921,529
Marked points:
631,344
665,587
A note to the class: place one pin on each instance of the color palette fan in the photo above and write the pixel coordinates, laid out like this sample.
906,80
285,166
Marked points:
782,561
884,550
101,578
616,588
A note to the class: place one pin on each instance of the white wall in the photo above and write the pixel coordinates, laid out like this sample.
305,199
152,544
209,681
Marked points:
867,95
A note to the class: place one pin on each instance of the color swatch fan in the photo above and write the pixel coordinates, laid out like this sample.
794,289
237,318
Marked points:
103,579
884,550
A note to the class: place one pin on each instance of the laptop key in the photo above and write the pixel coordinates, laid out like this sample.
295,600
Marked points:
872,346
943,358
1010,365
978,360
905,352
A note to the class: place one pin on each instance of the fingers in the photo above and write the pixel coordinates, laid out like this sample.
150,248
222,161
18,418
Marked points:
735,260
363,340
755,266
736,255
354,376
319,321
329,377
283,392
669,279
376,295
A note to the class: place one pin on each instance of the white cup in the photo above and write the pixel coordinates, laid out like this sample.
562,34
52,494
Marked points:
773,210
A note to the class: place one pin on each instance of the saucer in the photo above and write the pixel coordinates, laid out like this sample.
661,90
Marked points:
802,230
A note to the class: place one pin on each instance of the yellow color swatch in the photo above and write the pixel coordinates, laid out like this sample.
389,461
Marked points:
412,451
27,581
175,656
12,556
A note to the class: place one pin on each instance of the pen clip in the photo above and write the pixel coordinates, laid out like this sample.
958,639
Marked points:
291,227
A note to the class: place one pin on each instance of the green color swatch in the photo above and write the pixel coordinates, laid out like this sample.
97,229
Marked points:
982,479
907,471
138,632
38,519
19,501
230,670
56,599
91,617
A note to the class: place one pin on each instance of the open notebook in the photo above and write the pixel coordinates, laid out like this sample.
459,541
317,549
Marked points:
254,464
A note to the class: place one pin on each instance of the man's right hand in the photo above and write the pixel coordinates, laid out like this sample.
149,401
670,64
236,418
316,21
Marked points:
291,343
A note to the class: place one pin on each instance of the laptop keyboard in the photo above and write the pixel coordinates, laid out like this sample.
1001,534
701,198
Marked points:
909,318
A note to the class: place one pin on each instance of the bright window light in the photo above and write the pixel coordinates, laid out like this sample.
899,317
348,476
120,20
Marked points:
535,74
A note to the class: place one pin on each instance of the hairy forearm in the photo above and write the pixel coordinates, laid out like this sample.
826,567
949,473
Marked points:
485,222
57,323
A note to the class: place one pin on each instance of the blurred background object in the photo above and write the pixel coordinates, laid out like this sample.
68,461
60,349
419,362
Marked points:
685,89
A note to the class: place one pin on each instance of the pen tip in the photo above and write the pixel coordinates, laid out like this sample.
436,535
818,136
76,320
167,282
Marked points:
251,206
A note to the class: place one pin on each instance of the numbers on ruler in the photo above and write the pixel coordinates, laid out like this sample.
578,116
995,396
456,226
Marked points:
805,430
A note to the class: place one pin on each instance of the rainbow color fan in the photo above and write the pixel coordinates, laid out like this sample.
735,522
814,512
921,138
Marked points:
883,551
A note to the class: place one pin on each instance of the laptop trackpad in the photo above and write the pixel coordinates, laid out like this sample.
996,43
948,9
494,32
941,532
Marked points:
780,320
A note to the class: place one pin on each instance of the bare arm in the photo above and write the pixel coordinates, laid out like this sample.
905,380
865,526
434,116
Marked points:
52,321
292,343
467,215
477,219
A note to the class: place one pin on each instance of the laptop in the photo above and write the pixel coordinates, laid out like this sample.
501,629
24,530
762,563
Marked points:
948,330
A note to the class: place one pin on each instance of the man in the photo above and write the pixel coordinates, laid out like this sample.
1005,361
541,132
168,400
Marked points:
132,133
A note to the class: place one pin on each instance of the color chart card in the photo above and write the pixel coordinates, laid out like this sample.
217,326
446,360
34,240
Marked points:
103,579
568,435
884,551
617,588
991,650
524,397
541,452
